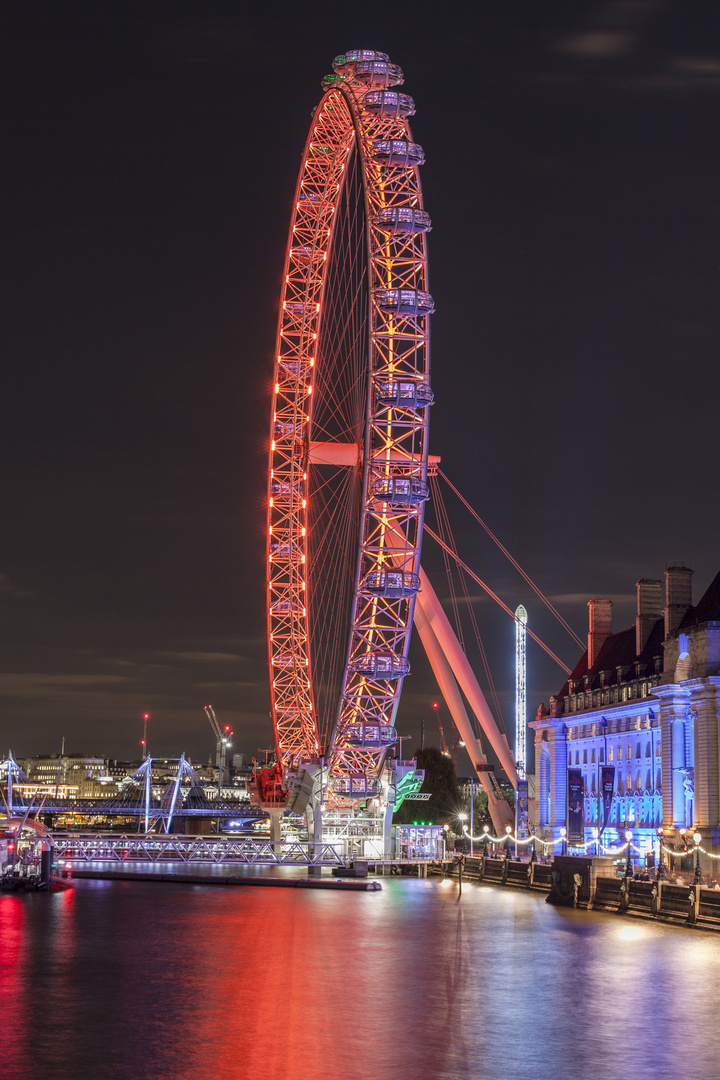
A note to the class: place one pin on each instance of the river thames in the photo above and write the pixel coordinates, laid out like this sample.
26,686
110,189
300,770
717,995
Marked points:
143,980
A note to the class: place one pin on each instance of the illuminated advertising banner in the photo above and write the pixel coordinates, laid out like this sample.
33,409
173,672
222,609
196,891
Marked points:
576,807
607,790
522,808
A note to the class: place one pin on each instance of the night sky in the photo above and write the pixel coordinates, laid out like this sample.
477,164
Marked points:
150,153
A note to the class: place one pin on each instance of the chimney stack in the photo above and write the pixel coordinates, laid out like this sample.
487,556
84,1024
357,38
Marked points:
600,628
678,596
649,610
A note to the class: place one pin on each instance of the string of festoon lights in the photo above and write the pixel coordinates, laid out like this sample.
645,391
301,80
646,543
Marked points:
486,837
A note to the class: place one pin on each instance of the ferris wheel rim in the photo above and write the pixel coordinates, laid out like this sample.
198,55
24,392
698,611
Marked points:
355,136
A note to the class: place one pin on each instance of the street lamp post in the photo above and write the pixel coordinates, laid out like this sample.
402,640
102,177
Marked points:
486,837
698,879
563,834
533,853
628,861
660,872
462,818
508,830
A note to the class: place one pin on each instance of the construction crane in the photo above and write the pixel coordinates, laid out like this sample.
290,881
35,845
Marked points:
446,752
457,740
223,736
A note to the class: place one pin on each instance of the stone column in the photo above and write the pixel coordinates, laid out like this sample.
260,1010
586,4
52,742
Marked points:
672,703
558,776
704,704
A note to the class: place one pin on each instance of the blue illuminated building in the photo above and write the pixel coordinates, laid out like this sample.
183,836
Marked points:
639,712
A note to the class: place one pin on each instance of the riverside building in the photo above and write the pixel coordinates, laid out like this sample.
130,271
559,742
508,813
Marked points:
632,739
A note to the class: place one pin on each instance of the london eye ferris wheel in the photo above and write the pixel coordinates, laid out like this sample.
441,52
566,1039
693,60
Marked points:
348,456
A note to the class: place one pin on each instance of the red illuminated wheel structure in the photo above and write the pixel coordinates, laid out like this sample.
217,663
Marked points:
348,459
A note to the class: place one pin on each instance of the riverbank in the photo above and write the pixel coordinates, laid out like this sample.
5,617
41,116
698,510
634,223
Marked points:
574,881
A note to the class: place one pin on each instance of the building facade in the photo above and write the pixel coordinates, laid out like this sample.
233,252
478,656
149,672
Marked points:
632,740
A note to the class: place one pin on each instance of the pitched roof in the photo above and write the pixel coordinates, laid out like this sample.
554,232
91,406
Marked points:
618,651
708,607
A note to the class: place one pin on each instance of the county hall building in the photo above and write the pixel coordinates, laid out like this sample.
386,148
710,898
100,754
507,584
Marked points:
632,740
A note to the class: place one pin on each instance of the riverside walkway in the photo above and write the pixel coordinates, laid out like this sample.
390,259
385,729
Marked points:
584,882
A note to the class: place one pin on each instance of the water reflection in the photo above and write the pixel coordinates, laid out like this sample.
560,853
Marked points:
138,980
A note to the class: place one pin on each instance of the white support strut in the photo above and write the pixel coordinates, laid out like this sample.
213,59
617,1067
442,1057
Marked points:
432,609
499,809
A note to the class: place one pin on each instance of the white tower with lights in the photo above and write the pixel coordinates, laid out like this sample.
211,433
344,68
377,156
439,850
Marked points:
521,619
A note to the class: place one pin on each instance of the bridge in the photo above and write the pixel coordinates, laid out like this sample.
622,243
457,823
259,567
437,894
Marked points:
243,851
156,848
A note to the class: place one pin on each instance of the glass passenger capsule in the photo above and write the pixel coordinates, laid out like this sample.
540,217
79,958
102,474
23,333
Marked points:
282,549
293,368
332,80
282,489
381,665
305,254
295,307
402,220
392,584
378,73
356,786
397,152
371,736
285,428
354,56
400,490
288,660
405,301
388,103
404,394
287,607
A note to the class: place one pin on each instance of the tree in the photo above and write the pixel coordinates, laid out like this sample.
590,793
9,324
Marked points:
441,782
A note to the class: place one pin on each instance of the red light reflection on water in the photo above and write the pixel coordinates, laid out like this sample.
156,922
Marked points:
13,1003
141,981
301,979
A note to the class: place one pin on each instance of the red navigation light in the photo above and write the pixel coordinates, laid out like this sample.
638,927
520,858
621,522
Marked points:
11,846
146,716
435,704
